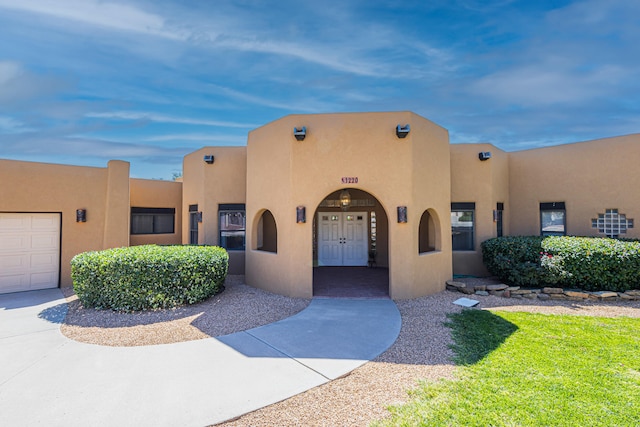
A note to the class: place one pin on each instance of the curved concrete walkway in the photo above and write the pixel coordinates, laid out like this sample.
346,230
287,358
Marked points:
48,379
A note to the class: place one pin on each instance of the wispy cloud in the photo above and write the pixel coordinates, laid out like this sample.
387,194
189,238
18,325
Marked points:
163,118
110,15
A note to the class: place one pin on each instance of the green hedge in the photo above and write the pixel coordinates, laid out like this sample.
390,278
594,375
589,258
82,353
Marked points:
588,263
516,260
148,277
594,264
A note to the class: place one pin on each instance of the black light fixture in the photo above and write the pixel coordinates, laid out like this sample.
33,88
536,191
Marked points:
402,132
345,199
484,155
301,215
209,158
81,215
301,133
402,214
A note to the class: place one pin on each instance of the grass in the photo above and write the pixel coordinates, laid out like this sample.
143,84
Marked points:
523,369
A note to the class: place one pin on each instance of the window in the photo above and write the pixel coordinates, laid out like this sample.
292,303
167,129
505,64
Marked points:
462,226
232,226
612,223
194,218
153,220
497,218
553,219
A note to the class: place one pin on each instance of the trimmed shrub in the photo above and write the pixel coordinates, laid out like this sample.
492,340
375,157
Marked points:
516,260
594,264
149,276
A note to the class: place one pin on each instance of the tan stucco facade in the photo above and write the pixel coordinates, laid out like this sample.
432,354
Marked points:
411,172
276,176
103,192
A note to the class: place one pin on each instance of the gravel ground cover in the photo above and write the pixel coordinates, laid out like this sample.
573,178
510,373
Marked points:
421,351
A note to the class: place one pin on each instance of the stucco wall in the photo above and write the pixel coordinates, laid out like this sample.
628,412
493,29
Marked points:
103,192
484,183
147,193
208,185
284,173
588,176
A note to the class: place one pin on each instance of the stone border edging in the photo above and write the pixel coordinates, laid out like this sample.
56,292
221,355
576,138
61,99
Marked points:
542,294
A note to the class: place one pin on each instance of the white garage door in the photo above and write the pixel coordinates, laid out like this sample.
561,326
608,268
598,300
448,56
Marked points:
29,251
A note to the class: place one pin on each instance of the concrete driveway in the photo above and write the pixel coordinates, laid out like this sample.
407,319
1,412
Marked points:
48,379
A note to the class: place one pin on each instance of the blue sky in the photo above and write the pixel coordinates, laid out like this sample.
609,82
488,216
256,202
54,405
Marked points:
148,81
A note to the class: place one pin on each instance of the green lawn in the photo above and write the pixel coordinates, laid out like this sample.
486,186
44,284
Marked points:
522,369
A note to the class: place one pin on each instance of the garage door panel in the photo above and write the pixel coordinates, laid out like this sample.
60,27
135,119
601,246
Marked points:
45,242
15,262
42,280
14,282
13,223
45,223
44,261
12,243
29,251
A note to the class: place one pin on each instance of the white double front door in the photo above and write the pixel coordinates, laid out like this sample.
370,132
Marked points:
342,239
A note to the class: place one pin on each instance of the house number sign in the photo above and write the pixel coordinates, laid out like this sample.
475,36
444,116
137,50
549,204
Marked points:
349,179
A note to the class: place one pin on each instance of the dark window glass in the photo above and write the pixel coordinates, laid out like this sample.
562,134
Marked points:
553,219
153,220
462,226
232,226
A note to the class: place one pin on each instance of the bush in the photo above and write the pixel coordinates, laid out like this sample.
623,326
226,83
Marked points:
148,277
595,264
516,260
589,263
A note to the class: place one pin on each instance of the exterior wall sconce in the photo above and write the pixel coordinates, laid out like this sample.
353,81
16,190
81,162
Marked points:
301,215
301,133
484,155
345,199
209,159
402,132
199,216
81,215
402,214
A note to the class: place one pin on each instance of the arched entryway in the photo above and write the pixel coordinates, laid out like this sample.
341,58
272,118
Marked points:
350,246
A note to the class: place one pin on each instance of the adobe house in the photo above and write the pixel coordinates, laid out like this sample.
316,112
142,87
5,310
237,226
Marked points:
313,191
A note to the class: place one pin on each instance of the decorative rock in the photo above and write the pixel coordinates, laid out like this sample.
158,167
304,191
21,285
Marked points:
576,294
467,291
606,294
456,284
544,294
496,287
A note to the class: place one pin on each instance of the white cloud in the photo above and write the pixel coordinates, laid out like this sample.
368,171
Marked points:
10,125
111,15
162,118
9,70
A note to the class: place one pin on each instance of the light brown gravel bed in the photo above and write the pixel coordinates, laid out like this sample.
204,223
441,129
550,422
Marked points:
421,351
